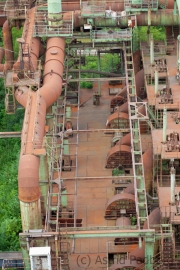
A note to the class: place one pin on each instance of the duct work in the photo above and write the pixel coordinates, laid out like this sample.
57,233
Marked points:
32,138
36,103
97,181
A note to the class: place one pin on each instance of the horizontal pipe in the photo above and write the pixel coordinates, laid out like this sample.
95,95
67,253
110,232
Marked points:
111,233
96,232
163,17
97,72
13,134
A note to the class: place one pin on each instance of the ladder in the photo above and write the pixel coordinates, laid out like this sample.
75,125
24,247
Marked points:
134,117
10,101
168,248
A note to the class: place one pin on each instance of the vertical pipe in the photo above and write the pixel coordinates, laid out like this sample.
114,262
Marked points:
149,253
172,185
64,201
31,215
99,69
151,50
175,8
156,81
9,53
54,6
54,12
149,17
43,179
164,124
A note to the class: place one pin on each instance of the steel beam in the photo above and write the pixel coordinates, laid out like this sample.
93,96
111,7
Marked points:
98,232
96,79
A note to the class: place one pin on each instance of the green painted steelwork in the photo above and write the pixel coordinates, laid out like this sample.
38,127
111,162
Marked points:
54,6
162,18
54,13
43,178
65,147
89,232
149,252
68,112
156,81
175,8
64,198
178,5
164,124
151,50
25,253
99,69
138,172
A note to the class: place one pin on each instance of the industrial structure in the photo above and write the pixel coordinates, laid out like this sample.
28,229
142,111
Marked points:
99,168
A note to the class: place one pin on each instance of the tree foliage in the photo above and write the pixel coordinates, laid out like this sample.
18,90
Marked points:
108,63
10,224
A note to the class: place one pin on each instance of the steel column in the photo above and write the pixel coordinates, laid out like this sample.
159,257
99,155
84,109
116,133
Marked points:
164,124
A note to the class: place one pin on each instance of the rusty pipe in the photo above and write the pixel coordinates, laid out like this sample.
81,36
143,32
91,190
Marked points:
53,71
9,53
33,130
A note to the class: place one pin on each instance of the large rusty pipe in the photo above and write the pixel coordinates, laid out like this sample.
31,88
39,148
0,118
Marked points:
9,53
33,131
29,192
53,70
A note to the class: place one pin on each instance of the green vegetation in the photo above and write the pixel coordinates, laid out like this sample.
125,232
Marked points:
157,31
117,172
16,33
108,63
10,224
140,34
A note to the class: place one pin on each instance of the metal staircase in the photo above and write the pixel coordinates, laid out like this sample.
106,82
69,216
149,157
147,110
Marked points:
10,101
167,245
134,117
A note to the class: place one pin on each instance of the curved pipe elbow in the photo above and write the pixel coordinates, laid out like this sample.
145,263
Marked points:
21,95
